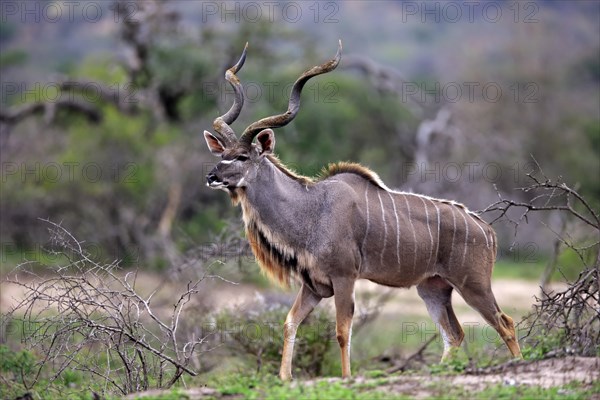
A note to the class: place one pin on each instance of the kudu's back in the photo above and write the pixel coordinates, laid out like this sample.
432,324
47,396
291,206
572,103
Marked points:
409,237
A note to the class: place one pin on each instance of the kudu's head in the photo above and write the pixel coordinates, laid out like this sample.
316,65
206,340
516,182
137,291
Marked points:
240,158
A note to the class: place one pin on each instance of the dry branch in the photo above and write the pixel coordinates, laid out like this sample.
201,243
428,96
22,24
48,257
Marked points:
548,195
16,114
83,311
572,314
570,317
417,355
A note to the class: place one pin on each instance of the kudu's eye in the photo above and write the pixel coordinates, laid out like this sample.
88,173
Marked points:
242,157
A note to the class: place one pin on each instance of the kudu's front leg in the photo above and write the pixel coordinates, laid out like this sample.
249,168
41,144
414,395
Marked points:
305,302
343,291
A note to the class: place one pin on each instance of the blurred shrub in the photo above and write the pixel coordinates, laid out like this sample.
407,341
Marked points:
16,365
256,334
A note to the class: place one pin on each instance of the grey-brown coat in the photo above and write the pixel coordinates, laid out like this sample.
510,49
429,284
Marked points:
347,225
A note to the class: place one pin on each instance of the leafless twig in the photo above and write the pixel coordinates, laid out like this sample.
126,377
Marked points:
85,311
417,355
548,195
570,317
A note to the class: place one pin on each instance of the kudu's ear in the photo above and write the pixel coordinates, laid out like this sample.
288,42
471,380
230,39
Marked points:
214,144
266,139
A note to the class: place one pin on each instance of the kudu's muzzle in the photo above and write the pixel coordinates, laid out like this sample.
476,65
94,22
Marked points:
214,180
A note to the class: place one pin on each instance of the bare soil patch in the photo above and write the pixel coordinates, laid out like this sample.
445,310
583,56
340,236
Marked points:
549,373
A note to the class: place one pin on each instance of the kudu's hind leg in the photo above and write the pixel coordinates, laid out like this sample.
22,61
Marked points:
482,299
305,302
436,293
343,292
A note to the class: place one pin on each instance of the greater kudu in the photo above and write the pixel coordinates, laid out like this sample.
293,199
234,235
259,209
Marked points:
328,232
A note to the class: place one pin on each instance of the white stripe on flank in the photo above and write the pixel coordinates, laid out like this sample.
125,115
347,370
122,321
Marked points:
429,229
474,216
384,228
413,232
466,240
397,229
437,247
464,280
487,244
377,180
368,221
453,234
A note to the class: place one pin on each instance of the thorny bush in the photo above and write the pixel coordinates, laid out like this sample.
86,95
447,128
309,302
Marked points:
91,317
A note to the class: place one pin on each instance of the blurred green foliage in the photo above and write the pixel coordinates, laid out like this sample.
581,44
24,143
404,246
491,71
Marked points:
19,376
141,157
12,58
119,180
258,338
19,365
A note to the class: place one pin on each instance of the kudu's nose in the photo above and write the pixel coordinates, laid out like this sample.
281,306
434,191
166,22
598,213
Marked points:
210,178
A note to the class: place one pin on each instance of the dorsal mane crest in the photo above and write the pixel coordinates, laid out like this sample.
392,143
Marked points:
352,168
344,167
372,177
329,171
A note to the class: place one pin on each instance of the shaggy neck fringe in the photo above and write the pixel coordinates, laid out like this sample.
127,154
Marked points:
303,180
329,171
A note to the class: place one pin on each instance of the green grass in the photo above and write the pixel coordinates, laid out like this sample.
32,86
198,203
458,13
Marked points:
270,387
402,335
242,384
530,271
568,266
36,259
263,386
572,391
175,394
